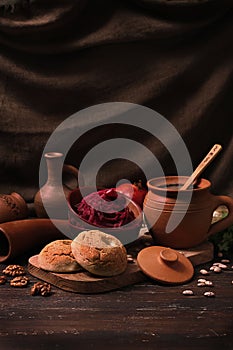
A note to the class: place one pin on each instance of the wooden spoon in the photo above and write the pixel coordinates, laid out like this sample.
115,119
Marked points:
201,167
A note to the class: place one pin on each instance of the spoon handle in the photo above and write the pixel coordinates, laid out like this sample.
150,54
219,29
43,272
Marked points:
201,167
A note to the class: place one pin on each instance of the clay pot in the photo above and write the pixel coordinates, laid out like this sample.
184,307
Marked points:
126,234
12,207
190,214
19,237
49,195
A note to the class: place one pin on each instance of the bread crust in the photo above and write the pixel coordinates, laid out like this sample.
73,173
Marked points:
57,257
99,253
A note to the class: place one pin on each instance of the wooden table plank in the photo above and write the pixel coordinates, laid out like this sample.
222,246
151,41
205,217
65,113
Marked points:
146,315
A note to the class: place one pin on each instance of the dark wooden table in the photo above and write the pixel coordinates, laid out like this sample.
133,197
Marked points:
146,315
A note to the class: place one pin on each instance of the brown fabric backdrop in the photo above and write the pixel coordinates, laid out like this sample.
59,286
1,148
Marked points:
58,57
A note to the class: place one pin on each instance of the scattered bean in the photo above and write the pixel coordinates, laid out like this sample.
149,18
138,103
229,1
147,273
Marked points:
212,268
222,266
220,254
204,272
201,284
217,269
187,292
209,294
130,259
201,280
225,261
208,283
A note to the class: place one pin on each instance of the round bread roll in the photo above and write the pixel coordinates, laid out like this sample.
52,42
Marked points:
99,253
57,257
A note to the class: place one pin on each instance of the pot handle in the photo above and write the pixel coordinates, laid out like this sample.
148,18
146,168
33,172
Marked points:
225,222
71,170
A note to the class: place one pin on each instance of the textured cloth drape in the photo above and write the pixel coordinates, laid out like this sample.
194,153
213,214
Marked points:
58,57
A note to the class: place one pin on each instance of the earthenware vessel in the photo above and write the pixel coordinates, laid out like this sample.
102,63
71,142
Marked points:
182,219
24,236
49,196
12,207
126,234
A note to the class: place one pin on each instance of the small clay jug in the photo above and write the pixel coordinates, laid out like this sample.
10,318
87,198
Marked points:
189,213
49,195
12,207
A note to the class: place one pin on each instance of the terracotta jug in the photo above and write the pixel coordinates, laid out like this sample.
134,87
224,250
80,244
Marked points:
188,212
52,197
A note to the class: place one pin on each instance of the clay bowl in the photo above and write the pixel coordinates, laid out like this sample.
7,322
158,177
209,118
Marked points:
126,233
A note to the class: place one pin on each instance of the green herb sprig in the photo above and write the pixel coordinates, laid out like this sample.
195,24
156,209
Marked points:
223,240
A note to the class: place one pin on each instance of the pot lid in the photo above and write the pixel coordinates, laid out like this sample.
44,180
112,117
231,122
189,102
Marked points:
165,264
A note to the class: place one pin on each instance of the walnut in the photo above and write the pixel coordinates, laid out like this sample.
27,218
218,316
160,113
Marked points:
19,281
40,288
3,279
14,270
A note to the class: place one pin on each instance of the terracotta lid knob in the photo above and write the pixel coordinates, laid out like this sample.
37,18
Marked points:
168,255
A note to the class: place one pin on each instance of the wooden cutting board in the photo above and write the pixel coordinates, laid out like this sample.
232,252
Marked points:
84,282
